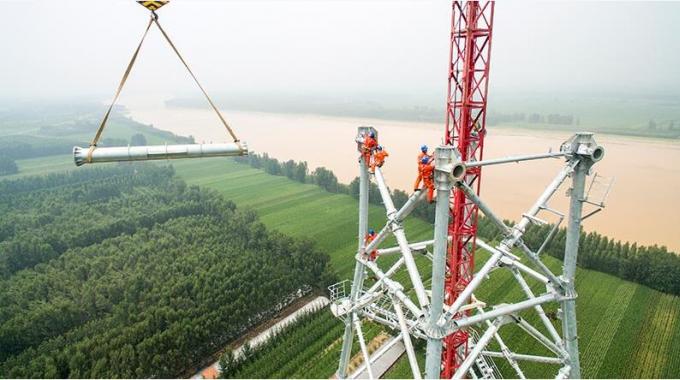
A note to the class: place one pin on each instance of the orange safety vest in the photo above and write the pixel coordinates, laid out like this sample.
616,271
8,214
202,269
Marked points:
369,144
379,156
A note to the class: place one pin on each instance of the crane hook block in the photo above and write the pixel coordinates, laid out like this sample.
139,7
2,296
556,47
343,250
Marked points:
153,5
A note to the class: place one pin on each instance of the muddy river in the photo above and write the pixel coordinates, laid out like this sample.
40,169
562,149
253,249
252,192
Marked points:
643,206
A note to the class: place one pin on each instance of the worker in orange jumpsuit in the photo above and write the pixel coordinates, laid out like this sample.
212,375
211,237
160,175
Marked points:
369,145
427,173
378,158
421,155
369,238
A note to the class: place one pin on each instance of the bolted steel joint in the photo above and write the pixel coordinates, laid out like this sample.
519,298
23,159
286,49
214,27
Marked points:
434,331
395,225
583,146
449,168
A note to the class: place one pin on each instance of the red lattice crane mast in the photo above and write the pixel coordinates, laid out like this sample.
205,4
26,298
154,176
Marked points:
471,31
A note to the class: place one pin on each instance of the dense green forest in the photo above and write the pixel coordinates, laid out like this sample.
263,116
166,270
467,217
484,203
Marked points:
652,266
128,272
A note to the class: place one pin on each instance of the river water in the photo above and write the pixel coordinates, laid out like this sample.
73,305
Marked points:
643,206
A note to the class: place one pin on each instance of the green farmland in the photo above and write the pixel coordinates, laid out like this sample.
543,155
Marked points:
626,330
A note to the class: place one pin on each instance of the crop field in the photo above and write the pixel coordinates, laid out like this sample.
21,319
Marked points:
626,330
308,351
609,113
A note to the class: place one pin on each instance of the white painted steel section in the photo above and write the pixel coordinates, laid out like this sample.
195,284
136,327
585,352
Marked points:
157,152
362,344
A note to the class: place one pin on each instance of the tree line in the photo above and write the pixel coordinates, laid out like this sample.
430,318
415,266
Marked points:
653,266
297,171
7,166
174,273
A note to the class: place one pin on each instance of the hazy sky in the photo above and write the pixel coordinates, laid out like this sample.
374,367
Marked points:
80,48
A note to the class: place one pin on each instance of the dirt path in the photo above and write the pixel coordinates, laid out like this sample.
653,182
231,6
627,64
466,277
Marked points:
264,331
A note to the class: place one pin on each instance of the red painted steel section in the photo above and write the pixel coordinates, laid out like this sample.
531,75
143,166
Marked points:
471,30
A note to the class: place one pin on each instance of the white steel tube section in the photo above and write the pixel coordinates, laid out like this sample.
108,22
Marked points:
376,318
405,210
524,357
523,268
347,339
410,205
364,349
381,351
569,274
528,157
379,238
390,323
538,308
520,227
395,288
471,287
389,273
531,330
391,250
479,346
441,230
511,237
384,193
398,232
544,268
412,269
156,152
358,280
410,353
501,310
515,263
505,351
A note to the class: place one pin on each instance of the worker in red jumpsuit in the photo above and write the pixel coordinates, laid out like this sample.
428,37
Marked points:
421,155
378,158
427,174
369,145
369,238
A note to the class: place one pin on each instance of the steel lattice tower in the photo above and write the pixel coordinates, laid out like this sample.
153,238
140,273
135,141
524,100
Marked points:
462,331
469,59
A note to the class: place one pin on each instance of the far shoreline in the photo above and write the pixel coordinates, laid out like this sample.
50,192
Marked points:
431,125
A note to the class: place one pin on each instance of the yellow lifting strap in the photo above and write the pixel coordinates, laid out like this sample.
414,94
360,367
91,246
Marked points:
126,74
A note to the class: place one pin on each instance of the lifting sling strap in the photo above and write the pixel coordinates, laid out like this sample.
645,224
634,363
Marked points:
126,74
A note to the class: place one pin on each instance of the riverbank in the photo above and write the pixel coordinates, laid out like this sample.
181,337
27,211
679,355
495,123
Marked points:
642,207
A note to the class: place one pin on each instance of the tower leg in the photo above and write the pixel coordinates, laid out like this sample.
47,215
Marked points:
358,269
569,275
433,359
